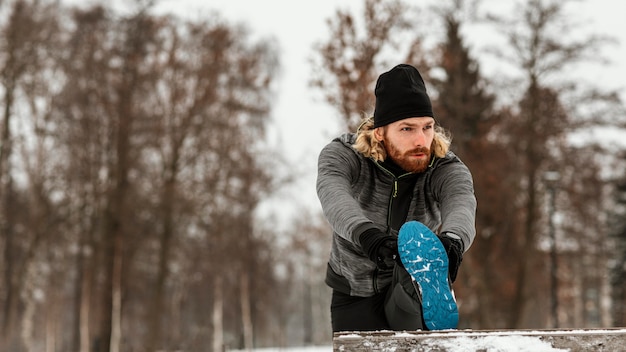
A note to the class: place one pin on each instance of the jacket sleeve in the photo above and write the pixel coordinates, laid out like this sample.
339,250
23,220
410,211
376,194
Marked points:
338,170
454,188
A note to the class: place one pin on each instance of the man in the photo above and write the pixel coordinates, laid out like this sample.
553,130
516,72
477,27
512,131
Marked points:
385,190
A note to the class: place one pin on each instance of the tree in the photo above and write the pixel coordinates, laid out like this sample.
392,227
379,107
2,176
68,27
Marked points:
537,132
618,240
174,112
465,107
463,104
303,317
138,145
350,61
25,211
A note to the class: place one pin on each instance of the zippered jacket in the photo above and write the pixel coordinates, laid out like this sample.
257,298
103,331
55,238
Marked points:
357,193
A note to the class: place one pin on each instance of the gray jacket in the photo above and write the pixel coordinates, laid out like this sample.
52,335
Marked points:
356,194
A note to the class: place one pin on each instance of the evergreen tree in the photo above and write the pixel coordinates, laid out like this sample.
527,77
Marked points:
465,107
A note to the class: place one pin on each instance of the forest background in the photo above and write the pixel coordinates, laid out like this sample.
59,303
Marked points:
147,201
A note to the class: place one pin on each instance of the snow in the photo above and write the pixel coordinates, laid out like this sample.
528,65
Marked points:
464,341
493,343
291,349
467,341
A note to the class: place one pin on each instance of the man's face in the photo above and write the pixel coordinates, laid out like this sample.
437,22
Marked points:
408,142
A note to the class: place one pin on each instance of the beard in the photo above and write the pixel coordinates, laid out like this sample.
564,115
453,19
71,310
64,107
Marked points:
406,160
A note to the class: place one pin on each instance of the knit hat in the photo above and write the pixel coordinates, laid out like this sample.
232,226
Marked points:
400,94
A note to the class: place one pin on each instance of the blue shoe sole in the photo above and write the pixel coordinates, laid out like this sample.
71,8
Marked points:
426,261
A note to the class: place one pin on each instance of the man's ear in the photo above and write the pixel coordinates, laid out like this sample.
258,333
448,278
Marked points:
378,134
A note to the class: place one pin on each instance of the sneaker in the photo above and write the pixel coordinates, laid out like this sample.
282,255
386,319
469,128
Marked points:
425,259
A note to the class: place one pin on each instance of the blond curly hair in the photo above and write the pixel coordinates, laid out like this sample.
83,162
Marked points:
371,147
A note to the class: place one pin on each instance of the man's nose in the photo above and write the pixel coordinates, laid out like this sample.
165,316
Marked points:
420,139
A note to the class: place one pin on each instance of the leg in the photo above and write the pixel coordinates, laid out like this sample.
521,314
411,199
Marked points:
402,305
351,313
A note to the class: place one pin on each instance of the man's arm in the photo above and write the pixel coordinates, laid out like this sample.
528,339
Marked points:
338,168
454,188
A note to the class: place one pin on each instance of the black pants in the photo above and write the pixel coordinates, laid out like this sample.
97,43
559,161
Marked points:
352,313
396,307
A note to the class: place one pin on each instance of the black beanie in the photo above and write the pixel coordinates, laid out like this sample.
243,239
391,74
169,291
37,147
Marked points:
400,94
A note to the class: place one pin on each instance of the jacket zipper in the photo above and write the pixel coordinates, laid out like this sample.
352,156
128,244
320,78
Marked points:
394,194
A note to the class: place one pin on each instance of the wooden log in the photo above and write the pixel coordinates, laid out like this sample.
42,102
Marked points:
572,340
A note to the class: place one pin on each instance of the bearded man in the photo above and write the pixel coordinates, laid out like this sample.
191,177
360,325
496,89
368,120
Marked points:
402,209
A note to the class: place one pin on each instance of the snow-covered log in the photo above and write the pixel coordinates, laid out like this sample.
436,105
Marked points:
572,340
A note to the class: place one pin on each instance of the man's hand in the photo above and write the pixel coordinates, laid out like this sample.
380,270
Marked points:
454,248
387,254
381,248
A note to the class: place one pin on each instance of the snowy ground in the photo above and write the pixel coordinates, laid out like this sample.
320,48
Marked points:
492,341
559,340
292,349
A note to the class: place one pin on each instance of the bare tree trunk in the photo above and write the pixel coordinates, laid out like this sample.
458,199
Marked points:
605,298
578,296
121,169
82,300
52,314
78,287
484,290
217,317
178,297
9,310
307,302
532,160
528,248
116,311
158,311
246,312
27,318
85,304
21,281
53,311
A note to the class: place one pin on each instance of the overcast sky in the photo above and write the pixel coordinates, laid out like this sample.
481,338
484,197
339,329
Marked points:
302,123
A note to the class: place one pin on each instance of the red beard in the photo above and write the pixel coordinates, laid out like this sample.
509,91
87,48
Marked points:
408,160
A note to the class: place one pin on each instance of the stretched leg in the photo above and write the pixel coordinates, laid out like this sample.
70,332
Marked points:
403,306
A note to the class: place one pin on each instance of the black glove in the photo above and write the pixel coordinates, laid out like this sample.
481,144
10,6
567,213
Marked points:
388,254
382,249
454,249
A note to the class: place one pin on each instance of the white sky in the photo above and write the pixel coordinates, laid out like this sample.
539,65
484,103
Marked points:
303,123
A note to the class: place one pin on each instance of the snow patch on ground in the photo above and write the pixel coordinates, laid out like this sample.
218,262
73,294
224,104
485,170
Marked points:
291,349
492,344
464,341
